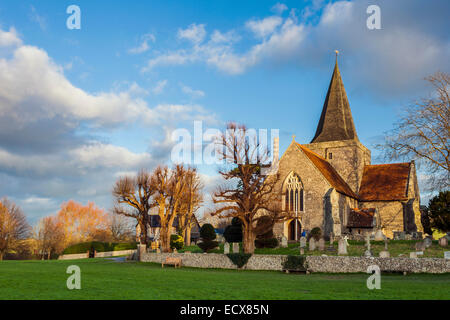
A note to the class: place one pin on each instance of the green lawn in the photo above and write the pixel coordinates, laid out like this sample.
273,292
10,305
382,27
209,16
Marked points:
106,279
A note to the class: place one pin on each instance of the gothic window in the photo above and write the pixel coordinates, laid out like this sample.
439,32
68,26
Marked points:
294,194
330,156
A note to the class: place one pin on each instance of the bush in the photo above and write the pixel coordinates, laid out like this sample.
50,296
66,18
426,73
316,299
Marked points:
296,263
315,233
208,245
439,211
233,232
239,259
266,243
207,232
176,242
83,247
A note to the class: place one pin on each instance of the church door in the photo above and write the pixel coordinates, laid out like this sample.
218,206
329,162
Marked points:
292,230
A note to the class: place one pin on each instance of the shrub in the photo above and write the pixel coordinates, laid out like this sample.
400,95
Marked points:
439,211
207,232
83,247
233,232
208,245
297,263
239,259
266,243
176,242
316,233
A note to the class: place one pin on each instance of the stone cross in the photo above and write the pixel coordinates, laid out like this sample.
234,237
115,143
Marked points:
346,241
385,244
368,241
226,248
235,247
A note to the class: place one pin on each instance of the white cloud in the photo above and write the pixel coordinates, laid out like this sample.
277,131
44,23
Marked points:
40,20
191,92
159,88
144,46
194,33
264,27
9,38
279,8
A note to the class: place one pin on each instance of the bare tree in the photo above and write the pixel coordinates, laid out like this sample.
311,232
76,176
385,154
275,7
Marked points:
49,235
423,132
133,196
120,227
14,228
249,194
170,186
191,201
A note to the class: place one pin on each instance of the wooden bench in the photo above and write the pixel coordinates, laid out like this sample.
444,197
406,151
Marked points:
174,261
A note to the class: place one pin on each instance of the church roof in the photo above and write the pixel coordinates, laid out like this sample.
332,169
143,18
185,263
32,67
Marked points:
336,122
361,218
328,172
385,182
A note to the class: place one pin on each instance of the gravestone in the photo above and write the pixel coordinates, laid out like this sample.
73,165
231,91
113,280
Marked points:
312,244
408,237
303,242
413,254
175,250
158,250
443,242
428,242
284,242
368,253
385,253
447,255
331,239
302,251
235,247
321,244
379,236
226,248
420,246
342,247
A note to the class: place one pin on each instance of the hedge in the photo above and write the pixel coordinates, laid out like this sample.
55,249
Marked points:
99,247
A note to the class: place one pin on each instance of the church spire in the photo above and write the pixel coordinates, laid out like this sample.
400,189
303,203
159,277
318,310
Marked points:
336,122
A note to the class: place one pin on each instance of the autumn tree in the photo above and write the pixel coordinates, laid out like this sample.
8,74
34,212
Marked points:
81,223
14,228
170,187
133,198
49,235
422,133
249,194
192,198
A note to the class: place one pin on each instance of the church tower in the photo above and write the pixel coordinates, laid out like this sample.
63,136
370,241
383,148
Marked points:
336,139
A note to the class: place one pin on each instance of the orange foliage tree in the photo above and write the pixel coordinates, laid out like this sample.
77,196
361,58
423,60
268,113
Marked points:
82,223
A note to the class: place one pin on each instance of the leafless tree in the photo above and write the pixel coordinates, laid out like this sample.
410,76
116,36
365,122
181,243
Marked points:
422,133
133,196
249,194
120,227
14,228
49,236
191,201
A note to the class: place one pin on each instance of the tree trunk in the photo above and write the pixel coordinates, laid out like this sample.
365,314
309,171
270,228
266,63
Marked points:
187,239
248,239
165,239
1,256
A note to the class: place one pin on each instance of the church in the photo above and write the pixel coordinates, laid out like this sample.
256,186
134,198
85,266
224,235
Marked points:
330,182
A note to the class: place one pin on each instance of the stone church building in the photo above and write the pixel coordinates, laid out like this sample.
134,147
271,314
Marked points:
330,182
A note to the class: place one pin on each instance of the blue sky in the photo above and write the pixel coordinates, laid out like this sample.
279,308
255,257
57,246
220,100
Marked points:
78,108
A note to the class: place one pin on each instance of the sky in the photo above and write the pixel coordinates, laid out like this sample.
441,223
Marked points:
81,107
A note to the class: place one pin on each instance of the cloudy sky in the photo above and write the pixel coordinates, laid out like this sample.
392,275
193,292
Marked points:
79,108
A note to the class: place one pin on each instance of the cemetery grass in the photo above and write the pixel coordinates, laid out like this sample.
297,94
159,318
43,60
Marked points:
106,279
355,248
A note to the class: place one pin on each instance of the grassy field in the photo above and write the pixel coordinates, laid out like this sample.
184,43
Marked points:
106,279
355,248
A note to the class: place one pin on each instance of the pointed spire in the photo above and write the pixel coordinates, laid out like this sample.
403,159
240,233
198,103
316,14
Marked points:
336,121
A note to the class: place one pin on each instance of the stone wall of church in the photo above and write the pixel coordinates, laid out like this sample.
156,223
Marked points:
391,215
348,158
316,187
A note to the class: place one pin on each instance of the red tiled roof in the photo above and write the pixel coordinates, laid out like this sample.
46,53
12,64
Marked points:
328,172
361,218
385,182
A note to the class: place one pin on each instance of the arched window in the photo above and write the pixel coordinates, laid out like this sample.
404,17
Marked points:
294,194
